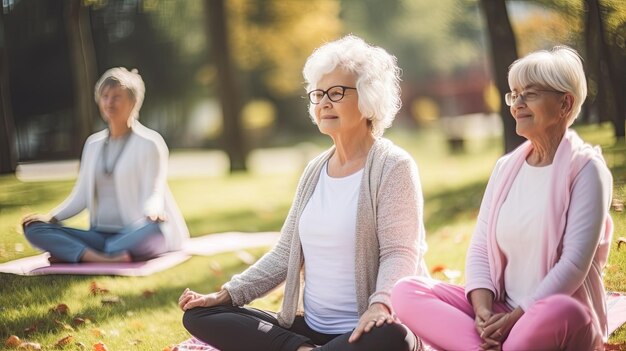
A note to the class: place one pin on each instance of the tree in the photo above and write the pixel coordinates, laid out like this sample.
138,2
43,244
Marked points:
8,152
82,54
503,53
228,91
603,72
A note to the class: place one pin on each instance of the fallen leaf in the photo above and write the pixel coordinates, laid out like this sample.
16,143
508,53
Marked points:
81,346
64,341
110,300
77,321
96,289
60,309
438,268
618,205
30,330
148,293
63,325
620,241
12,341
29,346
97,332
100,347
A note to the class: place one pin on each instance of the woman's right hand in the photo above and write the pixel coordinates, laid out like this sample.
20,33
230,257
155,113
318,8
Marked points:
191,299
32,218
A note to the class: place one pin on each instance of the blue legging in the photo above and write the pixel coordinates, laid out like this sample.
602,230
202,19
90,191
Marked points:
69,244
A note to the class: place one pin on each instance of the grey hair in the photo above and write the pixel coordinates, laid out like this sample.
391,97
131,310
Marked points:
560,69
377,72
129,80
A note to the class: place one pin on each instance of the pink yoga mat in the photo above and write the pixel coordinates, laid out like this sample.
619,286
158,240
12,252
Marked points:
205,245
39,265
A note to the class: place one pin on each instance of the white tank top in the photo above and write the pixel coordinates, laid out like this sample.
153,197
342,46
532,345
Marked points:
519,231
328,232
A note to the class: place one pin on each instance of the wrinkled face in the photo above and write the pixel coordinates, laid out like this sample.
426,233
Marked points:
115,104
343,116
538,111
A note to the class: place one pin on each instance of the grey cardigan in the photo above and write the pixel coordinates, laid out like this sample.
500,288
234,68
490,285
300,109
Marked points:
390,235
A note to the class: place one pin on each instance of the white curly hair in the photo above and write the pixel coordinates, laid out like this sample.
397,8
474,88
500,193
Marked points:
377,77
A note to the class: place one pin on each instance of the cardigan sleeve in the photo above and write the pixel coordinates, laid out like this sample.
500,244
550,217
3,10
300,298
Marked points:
477,269
155,179
271,269
77,200
589,204
400,227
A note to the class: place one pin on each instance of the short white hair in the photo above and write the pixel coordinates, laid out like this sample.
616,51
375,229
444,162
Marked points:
560,69
377,77
129,80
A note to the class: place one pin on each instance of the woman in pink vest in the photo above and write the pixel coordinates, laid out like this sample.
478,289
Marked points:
533,269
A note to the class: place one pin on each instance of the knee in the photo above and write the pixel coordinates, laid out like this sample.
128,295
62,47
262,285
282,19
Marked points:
190,319
409,289
396,337
36,228
568,308
202,318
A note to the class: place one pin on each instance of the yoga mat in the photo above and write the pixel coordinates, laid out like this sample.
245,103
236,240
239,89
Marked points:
616,310
39,265
205,246
231,241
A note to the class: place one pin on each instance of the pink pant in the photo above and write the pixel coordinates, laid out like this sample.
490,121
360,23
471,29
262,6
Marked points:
442,316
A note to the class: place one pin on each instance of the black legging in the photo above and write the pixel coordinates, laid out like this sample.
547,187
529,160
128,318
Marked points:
231,328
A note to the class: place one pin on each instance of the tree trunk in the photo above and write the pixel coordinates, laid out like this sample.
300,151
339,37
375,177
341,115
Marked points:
503,53
8,149
232,136
82,54
602,72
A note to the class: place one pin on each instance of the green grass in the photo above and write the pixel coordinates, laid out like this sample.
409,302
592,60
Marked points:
453,186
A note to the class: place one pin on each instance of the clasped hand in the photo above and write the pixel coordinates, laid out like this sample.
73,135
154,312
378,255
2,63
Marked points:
493,329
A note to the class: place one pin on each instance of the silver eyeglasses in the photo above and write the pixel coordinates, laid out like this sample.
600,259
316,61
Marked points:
511,97
335,94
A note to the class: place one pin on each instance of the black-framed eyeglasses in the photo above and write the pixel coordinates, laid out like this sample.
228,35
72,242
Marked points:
335,94
511,97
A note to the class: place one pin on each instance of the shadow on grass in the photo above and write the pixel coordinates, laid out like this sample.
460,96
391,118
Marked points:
39,294
241,220
452,205
16,194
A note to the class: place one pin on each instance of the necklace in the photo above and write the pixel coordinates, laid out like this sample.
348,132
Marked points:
124,140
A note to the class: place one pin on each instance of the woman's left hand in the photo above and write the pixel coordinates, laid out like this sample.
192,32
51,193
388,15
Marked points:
156,218
375,316
499,326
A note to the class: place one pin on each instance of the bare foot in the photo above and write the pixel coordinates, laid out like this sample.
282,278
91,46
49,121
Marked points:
95,256
54,260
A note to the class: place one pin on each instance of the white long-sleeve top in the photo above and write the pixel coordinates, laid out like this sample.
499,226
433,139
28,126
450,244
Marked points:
141,184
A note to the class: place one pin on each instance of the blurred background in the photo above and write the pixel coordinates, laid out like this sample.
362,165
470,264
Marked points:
226,74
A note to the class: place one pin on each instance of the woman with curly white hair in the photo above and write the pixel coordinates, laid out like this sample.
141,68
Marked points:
354,229
122,183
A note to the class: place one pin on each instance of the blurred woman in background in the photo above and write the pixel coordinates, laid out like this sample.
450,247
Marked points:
122,182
